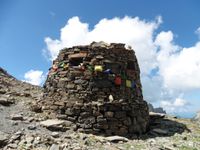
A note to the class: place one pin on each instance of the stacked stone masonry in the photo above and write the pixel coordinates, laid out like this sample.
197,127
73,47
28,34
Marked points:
97,87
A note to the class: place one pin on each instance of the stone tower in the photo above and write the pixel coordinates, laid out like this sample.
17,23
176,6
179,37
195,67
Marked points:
97,87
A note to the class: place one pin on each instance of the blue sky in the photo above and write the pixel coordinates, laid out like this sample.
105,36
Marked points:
29,29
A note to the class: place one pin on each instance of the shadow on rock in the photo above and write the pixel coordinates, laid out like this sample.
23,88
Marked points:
163,126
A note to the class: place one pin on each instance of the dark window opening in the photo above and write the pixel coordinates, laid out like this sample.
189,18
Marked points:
77,58
76,61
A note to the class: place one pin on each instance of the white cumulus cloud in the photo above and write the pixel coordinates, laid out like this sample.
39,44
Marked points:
35,77
182,70
178,105
164,42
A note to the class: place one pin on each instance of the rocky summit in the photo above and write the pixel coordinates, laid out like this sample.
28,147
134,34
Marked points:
37,118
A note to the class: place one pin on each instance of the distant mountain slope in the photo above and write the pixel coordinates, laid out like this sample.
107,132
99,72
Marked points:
4,73
9,85
156,110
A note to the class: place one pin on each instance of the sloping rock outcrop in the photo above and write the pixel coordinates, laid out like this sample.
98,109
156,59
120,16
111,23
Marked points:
156,110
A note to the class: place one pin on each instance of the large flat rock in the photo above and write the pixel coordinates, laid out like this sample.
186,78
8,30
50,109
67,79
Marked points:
56,125
52,122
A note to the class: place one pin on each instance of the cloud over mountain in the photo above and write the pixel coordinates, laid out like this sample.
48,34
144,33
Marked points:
35,77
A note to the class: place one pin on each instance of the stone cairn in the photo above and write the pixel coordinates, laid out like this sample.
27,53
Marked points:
98,88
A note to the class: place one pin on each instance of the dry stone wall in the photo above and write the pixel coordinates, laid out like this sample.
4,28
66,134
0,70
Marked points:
97,87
